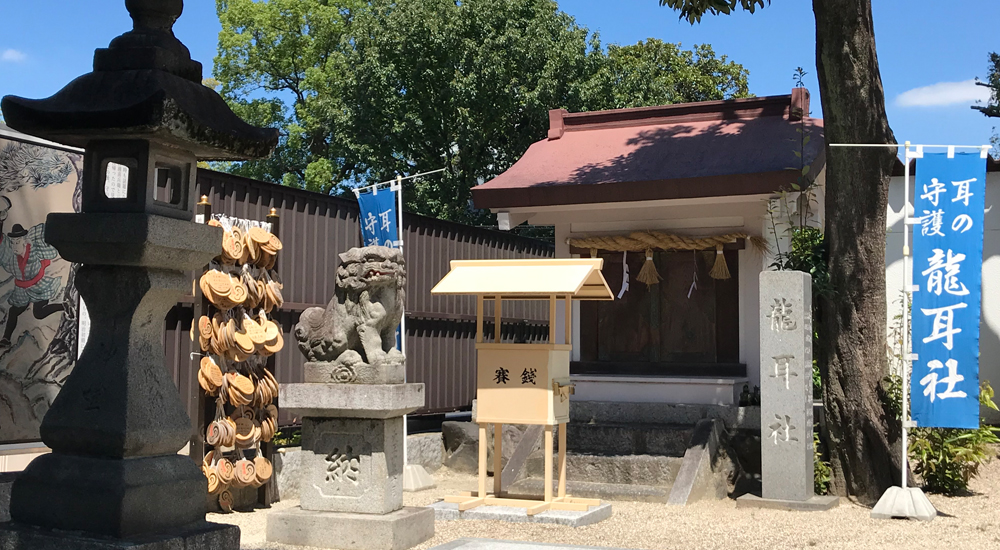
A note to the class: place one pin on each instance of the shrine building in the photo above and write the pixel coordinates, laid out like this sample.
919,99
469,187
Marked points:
695,187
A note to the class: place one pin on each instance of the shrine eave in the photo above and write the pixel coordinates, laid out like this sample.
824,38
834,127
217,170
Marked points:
749,146
761,183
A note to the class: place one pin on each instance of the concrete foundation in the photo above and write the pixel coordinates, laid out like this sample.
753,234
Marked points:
404,528
493,544
815,504
202,536
514,514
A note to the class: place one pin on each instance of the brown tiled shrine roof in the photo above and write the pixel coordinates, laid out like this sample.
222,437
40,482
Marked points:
706,149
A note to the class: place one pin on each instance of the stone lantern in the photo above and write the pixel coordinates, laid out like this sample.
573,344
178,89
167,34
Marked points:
114,478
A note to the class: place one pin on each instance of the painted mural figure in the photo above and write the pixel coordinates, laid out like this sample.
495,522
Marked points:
25,255
38,300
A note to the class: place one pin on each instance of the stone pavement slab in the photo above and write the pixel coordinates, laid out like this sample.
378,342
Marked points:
818,503
513,514
493,544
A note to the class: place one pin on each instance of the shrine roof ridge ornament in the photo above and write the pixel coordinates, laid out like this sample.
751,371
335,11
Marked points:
794,106
144,85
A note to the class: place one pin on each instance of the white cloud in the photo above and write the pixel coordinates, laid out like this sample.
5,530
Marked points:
944,93
12,55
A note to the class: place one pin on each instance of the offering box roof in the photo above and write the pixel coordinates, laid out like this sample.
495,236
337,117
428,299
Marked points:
527,279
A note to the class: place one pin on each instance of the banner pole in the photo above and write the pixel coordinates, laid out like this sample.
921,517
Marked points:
402,322
906,309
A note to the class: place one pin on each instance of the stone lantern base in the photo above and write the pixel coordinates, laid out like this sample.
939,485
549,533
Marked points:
202,536
351,483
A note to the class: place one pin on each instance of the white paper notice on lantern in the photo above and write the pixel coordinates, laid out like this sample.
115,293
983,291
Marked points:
83,329
116,181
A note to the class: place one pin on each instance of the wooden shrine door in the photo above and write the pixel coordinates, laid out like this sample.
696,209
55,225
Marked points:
670,323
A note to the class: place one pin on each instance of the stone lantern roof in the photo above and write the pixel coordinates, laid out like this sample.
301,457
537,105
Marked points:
144,86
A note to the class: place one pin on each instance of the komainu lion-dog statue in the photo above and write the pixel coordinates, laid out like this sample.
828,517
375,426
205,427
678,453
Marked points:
353,340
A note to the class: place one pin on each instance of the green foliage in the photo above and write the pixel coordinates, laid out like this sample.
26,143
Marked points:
363,91
808,253
816,378
693,10
946,459
654,72
821,469
288,437
992,108
892,395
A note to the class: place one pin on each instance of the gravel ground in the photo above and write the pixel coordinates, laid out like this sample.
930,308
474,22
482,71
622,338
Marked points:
967,522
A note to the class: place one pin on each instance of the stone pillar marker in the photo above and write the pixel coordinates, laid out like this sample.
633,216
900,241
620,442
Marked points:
786,401
352,405
114,478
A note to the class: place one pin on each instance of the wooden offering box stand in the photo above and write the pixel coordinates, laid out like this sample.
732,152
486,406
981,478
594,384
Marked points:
524,383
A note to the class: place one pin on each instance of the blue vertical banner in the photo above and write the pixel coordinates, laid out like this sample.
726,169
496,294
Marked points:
379,225
378,218
947,271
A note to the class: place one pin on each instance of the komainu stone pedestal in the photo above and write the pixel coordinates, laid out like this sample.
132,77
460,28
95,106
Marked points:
399,530
351,485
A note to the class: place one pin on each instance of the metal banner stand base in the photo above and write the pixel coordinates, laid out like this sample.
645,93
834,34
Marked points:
416,478
904,503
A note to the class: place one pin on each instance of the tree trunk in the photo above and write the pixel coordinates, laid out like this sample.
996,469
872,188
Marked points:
852,354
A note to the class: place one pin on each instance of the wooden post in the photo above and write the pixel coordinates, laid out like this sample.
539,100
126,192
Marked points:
497,456
497,307
548,460
196,448
267,493
562,460
568,321
552,319
479,319
482,460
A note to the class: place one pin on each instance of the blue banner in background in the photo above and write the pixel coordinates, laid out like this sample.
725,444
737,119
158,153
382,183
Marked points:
378,218
378,225
949,200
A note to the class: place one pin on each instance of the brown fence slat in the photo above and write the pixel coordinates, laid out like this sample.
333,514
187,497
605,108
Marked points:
315,229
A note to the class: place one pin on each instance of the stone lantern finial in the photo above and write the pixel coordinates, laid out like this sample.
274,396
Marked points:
151,43
154,14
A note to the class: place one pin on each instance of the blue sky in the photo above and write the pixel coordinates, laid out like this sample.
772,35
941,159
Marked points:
928,50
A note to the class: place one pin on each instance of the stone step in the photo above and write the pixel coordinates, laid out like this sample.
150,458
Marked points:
534,487
650,470
605,412
628,439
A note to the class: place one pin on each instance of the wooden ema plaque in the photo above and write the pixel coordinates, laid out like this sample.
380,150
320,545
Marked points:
524,383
